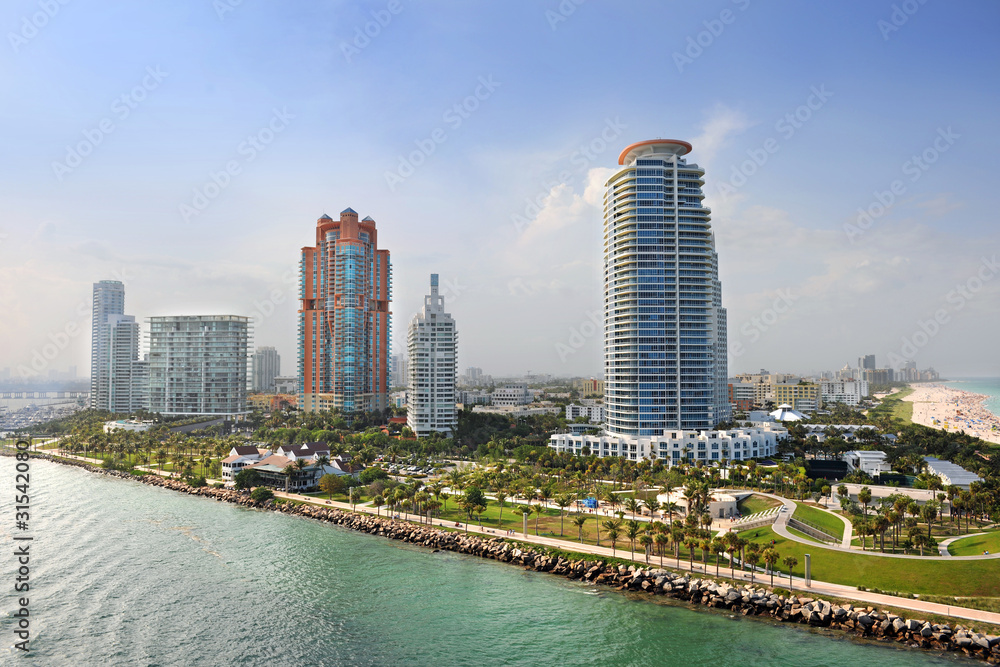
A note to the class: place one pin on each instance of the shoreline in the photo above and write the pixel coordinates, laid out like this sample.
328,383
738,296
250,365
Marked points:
954,410
757,599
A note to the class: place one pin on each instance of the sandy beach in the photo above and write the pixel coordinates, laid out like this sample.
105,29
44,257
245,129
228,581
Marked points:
944,407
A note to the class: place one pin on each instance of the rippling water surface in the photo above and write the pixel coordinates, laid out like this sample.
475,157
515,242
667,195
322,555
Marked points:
125,574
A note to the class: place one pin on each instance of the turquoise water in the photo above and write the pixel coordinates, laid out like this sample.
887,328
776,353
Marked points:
987,386
125,574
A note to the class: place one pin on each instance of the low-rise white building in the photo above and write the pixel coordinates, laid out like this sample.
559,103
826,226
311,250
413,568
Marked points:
951,474
517,410
848,392
594,412
675,447
239,458
871,463
128,425
512,394
720,505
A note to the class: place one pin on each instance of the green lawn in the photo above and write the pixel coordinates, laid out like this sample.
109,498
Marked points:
896,406
904,575
820,519
975,545
753,504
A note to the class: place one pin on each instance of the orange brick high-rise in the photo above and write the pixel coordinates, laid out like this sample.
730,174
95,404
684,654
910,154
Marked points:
344,318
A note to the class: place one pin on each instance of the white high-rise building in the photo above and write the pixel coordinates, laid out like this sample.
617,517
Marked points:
432,346
129,376
665,350
198,364
665,365
109,300
266,367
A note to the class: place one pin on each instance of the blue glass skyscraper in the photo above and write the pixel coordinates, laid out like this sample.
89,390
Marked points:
664,325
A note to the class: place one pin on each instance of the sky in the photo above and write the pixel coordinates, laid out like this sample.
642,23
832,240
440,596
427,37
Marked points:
187,149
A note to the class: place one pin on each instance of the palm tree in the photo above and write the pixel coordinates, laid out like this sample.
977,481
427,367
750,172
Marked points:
632,505
920,541
537,510
771,557
632,531
653,506
578,521
753,558
288,471
378,501
691,543
929,513
646,541
865,497
661,540
670,508
613,536
501,496
525,511
717,546
791,562
563,501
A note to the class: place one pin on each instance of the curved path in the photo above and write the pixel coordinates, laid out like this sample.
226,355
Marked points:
943,545
780,526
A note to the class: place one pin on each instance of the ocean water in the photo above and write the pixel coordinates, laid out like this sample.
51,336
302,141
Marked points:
126,574
986,386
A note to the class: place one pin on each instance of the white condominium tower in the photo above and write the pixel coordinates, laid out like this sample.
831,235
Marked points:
664,324
198,364
431,344
109,300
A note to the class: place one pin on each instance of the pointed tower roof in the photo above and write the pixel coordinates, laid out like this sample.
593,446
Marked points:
368,218
349,210
325,217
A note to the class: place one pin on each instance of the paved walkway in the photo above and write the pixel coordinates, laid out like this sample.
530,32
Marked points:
943,545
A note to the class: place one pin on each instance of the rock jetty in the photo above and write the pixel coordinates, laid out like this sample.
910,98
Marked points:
746,600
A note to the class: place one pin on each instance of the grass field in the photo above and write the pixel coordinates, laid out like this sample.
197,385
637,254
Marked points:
975,545
820,519
753,504
909,575
896,407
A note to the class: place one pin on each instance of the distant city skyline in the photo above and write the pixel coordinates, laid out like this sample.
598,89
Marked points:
853,200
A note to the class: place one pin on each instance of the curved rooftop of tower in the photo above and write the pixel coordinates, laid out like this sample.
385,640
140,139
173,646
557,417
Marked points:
643,148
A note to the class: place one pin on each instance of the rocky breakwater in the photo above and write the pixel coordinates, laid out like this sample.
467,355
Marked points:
865,622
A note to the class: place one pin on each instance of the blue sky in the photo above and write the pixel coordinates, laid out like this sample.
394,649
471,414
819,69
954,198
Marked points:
506,207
